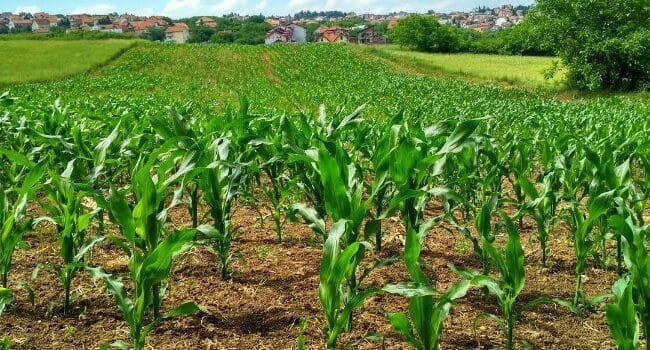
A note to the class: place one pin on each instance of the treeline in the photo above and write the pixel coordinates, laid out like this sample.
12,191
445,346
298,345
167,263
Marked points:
601,46
425,33
250,31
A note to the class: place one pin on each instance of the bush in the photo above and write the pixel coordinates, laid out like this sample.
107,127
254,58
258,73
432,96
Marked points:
602,45
424,33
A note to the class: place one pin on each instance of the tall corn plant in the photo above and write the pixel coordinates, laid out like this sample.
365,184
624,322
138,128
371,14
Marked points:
72,219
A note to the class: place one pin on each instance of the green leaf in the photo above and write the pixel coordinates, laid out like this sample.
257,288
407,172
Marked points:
456,141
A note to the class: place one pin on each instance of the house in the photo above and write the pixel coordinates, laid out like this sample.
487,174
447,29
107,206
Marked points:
40,25
292,33
370,36
179,33
273,22
206,21
141,27
332,34
110,28
17,23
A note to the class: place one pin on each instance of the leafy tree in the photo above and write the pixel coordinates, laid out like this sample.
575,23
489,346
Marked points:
154,34
201,34
424,33
602,44
104,21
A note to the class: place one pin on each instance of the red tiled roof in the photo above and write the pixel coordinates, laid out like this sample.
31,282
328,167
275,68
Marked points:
177,28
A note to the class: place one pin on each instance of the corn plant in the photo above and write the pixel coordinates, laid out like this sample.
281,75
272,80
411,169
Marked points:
637,261
337,300
220,184
508,286
427,314
271,169
622,317
302,141
542,208
583,238
72,219
15,225
143,224
146,274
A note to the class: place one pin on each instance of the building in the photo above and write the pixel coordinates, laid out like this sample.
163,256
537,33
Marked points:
179,33
370,36
332,35
206,21
41,25
17,23
292,33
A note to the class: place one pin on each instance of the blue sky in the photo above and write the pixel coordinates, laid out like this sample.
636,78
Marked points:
185,8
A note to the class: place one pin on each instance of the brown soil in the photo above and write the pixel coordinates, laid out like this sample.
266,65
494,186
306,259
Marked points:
275,285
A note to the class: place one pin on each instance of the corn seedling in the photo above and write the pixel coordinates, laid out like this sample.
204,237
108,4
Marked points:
427,315
147,273
337,300
622,318
72,219
510,283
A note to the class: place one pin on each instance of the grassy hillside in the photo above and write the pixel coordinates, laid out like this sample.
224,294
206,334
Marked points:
29,60
524,71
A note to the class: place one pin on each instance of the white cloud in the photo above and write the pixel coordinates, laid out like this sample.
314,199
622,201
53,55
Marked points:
28,9
187,8
99,9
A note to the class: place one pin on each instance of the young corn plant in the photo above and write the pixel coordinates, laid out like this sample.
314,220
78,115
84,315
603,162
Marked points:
15,224
637,260
302,142
147,274
220,183
622,317
583,240
143,223
428,308
271,169
508,285
337,299
72,219
542,208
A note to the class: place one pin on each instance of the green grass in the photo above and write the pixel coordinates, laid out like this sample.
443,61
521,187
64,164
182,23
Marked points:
523,71
32,61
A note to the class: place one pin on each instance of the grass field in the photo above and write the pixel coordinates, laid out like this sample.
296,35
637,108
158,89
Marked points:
232,140
523,71
29,61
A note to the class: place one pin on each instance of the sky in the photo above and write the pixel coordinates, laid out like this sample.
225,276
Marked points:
187,8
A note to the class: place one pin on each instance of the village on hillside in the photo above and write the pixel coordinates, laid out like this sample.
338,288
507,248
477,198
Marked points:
332,26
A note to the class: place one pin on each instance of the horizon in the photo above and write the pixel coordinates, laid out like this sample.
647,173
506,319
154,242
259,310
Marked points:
189,8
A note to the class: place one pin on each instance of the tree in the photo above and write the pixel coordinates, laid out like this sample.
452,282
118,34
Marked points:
154,34
602,44
424,33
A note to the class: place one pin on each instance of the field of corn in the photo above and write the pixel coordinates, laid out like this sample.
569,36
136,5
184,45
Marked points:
230,197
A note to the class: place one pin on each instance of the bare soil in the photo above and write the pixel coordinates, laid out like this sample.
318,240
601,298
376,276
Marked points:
275,286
